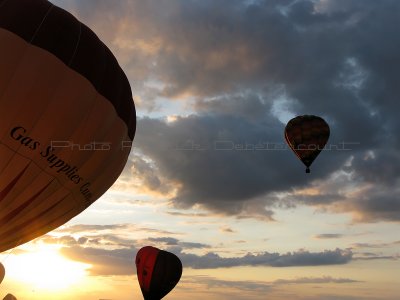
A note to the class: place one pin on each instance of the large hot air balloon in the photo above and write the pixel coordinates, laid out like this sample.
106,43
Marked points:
10,297
307,136
2,272
67,119
158,272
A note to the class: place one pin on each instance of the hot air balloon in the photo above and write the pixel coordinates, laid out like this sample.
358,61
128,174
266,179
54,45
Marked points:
307,136
67,119
158,272
10,297
2,272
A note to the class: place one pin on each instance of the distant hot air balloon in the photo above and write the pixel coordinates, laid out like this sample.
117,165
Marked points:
307,136
67,119
10,297
158,272
2,272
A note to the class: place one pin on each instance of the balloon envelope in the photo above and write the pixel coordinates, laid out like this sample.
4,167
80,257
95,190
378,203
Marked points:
2,272
10,297
158,272
67,119
307,136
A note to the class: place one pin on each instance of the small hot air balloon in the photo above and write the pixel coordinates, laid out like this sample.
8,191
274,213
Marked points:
67,119
2,272
307,136
158,272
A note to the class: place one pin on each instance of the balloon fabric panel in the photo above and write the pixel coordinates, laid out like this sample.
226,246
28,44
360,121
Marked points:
167,272
2,272
145,261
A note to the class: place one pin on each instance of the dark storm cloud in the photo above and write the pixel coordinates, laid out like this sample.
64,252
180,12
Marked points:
221,160
318,59
338,59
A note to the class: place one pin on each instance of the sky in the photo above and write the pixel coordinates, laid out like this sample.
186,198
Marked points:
210,177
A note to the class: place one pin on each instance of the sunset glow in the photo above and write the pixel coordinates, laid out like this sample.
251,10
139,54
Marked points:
45,269
210,177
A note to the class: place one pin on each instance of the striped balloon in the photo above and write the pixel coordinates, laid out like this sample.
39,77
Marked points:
307,136
67,119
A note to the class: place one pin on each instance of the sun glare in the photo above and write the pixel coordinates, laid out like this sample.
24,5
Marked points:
46,269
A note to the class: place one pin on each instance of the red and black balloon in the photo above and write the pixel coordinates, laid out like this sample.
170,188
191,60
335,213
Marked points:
307,135
158,272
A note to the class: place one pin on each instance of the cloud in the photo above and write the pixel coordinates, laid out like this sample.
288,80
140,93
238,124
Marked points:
242,68
187,215
102,261
219,178
372,256
116,260
79,228
64,240
262,286
328,236
227,229
168,241
255,289
120,228
215,283
313,280
109,254
323,71
347,191
376,203
326,296
375,245
300,258
88,240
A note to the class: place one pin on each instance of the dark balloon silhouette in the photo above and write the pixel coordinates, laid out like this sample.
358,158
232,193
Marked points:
67,119
158,272
10,297
2,272
307,135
